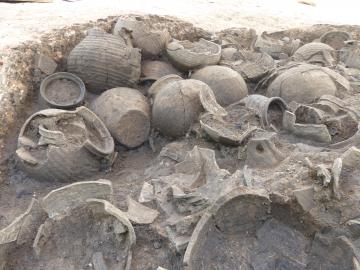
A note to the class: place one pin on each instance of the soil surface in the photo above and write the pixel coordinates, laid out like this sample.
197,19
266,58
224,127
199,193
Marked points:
23,21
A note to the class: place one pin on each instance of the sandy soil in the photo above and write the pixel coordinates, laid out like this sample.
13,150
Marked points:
23,21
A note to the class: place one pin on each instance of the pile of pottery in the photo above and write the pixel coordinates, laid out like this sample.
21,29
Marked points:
267,102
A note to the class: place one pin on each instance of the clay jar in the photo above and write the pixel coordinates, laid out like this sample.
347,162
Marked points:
305,83
104,61
227,85
58,145
176,106
151,42
126,113
316,53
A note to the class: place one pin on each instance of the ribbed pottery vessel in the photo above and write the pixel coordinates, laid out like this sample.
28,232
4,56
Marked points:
315,53
104,61
58,145
335,39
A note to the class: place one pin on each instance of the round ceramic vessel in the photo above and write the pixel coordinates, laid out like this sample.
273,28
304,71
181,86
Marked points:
71,103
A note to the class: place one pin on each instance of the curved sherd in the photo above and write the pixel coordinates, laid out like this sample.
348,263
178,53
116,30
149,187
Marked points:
245,230
151,42
60,202
188,55
316,53
234,215
126,113
58,145
95,231
335,39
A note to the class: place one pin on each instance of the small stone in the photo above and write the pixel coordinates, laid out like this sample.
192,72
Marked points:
305,197
147,193
139,213
45,64
157,244
351,158
336,171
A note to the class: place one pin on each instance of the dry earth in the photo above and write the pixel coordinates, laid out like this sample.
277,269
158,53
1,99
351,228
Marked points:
23,21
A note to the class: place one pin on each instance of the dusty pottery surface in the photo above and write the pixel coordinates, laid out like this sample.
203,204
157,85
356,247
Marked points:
228,85
126,113
254,184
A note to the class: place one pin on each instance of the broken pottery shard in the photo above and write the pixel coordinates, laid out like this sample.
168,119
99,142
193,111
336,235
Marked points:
356,263
351,158
305,197
72,238
317,132
178,105
147,193
277,48
234,128
22,228
251,65
64,145
45,64
42,236
236,213
354,227
126,113
262,151
335,39
151,42
323,174
315,53
188,55
350,54
62,201
247,176
139,213
98,261
174,150
336,172
228,85
105,61
122,222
